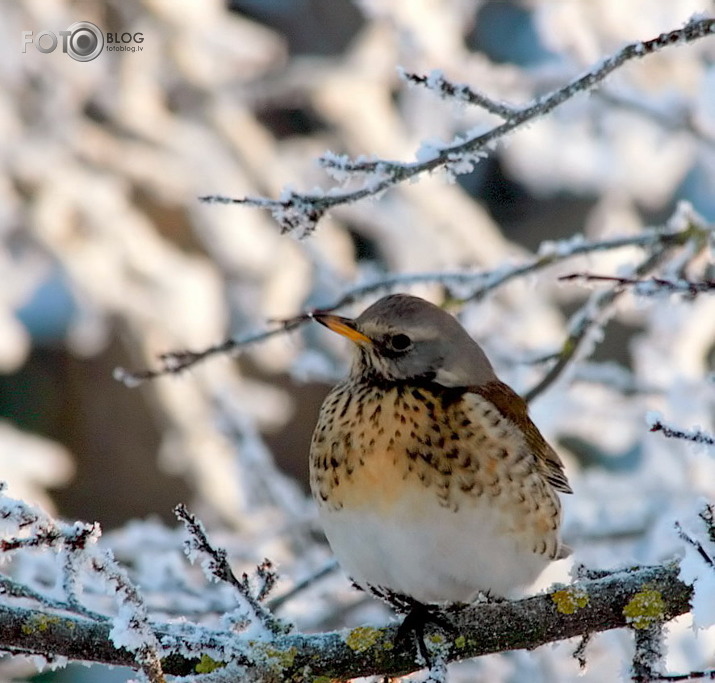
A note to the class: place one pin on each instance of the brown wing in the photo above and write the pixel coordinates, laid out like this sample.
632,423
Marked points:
514,408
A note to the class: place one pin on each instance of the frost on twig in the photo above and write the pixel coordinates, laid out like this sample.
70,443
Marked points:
610,601
251,593
76,544
697,567
587,323
130,627
300,212
695,435
461,286
268,651
461,92
652,286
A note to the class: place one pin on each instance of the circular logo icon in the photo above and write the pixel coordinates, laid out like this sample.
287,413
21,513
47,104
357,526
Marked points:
85,41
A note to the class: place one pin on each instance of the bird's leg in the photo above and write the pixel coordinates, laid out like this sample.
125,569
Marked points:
417,616
413,626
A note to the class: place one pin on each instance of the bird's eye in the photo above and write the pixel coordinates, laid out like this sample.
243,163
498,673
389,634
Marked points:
400,342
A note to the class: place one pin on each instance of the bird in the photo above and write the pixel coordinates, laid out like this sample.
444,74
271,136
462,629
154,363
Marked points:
432,483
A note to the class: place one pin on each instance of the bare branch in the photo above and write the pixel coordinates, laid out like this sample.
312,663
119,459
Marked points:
328,568
690,676
683,120
695,544
587,319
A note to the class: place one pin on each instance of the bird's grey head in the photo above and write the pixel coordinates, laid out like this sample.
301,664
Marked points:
403,337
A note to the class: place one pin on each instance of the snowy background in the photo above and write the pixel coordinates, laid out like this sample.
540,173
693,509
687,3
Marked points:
108,259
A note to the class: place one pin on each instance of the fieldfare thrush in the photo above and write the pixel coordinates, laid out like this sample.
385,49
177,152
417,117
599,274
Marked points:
432,482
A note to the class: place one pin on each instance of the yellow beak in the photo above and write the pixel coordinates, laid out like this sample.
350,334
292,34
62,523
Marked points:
344,326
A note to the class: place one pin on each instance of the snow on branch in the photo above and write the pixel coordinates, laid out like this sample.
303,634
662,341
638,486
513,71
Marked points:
299,212
461,92
32,529
652,286
695,435
258,647
638,598
463,286
586,325
648,654
217,567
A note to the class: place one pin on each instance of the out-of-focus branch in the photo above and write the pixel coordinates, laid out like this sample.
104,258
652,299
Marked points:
681,121
300,212
638,598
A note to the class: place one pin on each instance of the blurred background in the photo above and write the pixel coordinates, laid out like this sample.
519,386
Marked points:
107,258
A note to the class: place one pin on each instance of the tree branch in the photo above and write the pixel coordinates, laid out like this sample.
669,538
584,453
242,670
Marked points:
647,286
300,212
694,435
638,598
590,316
481,283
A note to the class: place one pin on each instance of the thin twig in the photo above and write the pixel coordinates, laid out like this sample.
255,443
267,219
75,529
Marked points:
690,676
579,654
684,120
694,435
460,92
648,653
585,320
328,568
221,570
695,544
647,286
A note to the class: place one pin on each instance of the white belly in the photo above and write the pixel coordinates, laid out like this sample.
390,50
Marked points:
432,553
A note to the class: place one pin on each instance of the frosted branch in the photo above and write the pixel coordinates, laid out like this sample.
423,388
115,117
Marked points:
652,286
219,569
300,212
77,544
586,322
446,89
130,629
697,545
467,286
649,653
695,435
607,602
